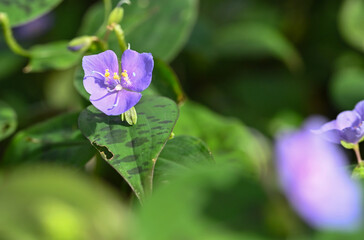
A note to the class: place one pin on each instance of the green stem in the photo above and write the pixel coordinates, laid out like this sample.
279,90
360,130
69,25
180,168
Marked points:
107,8
9,38
357,153
120,36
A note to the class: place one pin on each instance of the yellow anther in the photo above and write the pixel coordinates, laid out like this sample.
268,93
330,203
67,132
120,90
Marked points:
107,74
116,76
125,76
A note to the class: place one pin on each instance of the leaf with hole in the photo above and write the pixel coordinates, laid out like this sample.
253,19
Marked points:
132,150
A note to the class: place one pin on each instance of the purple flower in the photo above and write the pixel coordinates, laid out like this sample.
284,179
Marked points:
313,176
114,92
347,127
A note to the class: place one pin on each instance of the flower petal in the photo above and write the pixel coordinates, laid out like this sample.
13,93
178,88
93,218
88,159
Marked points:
117,102
359,108
100,62
352,135
139,67
348,119
313,176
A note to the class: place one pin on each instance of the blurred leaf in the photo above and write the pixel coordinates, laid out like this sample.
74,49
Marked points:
347,87
23,11
54,203
51,56
228,139
9,63
352,21
211,203
54,141
132,150
78,82
160,26
165,82
8,120
256,40
180,154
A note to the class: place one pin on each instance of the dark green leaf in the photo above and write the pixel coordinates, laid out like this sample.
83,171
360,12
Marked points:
51,56
132,150
8,120
180,154
159,26
165,82
57,140
22,11
229,140
256,40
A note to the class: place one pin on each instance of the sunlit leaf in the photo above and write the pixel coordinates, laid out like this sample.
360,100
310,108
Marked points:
352,21
132,150
51,56
45,203
23,11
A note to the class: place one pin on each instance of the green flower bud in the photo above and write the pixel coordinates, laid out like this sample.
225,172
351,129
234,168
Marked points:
80,43
116,16
358,172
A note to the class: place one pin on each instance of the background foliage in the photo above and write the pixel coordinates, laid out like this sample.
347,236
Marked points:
232,74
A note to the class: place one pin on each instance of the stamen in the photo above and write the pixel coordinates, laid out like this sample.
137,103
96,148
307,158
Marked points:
107,94
125,76
99,73
116,76
116,102
107,74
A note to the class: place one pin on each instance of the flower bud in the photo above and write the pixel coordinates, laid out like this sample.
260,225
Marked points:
80,43
131,116
116,16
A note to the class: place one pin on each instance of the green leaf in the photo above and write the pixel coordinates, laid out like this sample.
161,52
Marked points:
161,27
346,87
8,120
229,140
211,203
132,150
165,82
256,40
51,56
180,154
352,21
55,141
45,203
23,11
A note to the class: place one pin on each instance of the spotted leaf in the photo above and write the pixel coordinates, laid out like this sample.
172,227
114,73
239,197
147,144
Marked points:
132,150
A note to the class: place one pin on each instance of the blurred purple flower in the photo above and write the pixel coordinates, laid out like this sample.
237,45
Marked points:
313,176
348,126
112,92
34,28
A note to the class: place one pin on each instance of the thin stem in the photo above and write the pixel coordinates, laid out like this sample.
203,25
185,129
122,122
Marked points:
121,38
107,7
357,153
9,38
